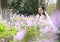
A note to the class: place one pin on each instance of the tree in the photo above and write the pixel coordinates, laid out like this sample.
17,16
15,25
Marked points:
27,7
4,7
31,7
16,5
58,5
41,2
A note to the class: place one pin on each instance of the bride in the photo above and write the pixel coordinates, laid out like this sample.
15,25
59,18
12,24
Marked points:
48,32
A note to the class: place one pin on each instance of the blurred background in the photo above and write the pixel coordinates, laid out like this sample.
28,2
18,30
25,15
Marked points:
30,7
27,7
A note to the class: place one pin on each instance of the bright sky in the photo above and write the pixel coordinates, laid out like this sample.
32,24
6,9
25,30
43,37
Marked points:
52,1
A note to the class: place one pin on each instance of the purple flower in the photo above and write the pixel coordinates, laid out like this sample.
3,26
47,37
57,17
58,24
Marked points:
37,16
48,40
55,17
17,23
29,23
35,22
22,16
45,29
2,40
53,36
20,35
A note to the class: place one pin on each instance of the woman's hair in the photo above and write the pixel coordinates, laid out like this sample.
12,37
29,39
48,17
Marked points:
43,10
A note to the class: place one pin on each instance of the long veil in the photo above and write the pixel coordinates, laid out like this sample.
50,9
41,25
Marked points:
54,28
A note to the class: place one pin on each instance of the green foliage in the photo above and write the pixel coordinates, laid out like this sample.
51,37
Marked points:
31,6
31,33
4,32
51,8
2,27
26,7
12,31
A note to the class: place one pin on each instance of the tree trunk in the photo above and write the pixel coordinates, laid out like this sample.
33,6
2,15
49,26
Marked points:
5,15
46,4
58,5
41,3
4,7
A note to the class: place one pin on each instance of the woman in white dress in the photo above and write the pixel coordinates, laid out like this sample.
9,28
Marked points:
48,30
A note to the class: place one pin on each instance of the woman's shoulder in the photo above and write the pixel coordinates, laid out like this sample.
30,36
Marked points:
37,15
43,17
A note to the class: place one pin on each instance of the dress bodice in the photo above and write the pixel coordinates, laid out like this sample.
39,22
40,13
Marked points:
42,17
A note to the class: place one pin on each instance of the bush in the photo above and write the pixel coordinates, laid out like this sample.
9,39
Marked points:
7,33
27,7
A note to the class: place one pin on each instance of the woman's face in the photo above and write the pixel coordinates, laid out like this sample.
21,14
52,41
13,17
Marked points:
41,11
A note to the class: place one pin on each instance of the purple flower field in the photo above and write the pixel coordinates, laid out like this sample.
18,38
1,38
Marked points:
28,29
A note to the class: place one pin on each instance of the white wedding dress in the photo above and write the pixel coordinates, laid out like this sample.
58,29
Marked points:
48,32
